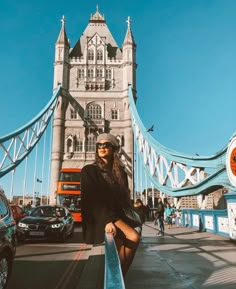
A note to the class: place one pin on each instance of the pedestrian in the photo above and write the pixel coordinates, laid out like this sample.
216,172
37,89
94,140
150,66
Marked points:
169,212
37,203
28,206
159,217
104,197
178,217
148,212
140,209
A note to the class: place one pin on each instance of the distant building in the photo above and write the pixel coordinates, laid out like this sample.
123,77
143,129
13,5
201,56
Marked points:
213,201
23,201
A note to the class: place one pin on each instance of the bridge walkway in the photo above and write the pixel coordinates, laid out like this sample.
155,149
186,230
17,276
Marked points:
182,259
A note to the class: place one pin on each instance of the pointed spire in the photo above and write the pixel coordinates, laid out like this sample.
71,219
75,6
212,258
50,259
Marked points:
62,38
128,22
129,39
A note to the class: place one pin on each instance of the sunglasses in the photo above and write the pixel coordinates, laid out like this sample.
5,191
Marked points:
104,145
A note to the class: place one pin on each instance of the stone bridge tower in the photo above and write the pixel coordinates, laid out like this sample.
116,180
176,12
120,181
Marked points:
94,75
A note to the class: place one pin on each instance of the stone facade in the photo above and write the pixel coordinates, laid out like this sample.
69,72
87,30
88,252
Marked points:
94,75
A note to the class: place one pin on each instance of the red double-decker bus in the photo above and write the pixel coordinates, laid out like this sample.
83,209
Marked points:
69,191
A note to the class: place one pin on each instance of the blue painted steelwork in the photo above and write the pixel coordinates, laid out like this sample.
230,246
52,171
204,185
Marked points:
178,174
16,146
213,221
113,278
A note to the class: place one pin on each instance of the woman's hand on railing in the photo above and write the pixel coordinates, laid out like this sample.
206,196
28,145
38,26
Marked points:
110,228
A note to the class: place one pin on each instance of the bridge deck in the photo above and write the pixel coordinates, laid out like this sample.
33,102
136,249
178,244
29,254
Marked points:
183,258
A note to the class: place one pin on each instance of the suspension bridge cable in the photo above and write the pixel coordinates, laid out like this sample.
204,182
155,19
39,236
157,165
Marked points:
137,175
177,174
43,161
146,199
12,182
24,181
141,177
153,197
15,146
35,171
49,163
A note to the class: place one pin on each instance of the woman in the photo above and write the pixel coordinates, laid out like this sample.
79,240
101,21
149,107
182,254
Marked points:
104,195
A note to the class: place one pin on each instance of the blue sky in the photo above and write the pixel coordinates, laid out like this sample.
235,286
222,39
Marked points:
186,56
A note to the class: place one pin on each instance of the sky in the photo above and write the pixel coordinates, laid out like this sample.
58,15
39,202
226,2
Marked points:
186,56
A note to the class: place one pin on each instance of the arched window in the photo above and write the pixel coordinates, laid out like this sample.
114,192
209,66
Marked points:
94,111
99,55
90,54
69,145
91,144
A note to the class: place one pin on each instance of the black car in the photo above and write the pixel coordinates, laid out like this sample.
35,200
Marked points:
7,240
46,222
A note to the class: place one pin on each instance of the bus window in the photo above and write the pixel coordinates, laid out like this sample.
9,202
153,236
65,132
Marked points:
71,177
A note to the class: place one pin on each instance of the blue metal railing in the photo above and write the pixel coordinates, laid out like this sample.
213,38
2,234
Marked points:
113,278
213,221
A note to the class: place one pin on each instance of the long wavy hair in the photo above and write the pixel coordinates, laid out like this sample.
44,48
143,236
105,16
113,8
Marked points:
115,175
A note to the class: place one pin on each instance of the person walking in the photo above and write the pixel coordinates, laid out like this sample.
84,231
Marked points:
104,197
169,212
140,209
159,217
178,217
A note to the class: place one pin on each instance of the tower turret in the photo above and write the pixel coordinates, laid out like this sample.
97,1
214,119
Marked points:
61,76
61,65
129,58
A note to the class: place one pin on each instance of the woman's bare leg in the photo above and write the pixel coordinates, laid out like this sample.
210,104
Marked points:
127,248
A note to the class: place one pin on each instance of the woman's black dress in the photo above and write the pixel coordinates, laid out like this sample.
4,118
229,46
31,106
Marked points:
101,202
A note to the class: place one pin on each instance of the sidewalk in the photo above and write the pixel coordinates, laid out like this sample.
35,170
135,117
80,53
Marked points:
183,258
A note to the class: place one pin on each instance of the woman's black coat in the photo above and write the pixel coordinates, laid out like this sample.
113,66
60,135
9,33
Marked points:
101,203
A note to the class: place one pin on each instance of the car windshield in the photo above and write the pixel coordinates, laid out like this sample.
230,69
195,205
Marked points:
48,212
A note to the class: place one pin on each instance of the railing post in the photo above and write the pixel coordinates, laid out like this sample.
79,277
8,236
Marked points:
231,206
113,278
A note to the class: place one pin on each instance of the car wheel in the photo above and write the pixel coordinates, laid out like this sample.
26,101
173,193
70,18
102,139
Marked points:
5,270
